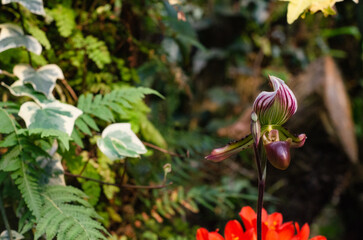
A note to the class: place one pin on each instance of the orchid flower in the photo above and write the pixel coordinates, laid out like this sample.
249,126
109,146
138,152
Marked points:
270,111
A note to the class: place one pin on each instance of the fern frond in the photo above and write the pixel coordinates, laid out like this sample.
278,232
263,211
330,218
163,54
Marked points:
67,215
29,188
118,101
97,51
64,18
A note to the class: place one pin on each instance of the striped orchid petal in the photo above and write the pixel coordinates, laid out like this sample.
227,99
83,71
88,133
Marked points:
275,108
232,148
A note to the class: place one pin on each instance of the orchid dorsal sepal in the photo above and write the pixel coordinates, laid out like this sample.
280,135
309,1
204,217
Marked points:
275,108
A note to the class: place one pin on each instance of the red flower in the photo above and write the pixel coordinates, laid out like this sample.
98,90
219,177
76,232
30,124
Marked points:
203,234
273,228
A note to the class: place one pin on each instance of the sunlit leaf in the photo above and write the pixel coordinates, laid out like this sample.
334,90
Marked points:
34,6
52,115
12,36
119,141
43,79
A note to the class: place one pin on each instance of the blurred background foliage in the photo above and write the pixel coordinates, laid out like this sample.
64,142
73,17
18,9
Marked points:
209,59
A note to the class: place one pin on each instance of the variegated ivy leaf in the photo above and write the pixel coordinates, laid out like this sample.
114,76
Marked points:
43,79
119,141
50,115
15,235
12,36
34,6
19,89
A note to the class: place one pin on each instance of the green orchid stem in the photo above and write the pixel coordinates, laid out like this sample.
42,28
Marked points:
5,219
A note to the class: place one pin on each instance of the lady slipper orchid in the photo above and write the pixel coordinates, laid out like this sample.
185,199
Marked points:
270,111
273,228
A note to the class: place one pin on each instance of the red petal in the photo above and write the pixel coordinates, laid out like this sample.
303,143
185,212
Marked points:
215,236
274,219
233,231
305,231
202,234
247,215
272,235
249,235
286,231
318,238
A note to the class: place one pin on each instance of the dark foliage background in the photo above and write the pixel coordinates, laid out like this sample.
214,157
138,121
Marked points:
209,59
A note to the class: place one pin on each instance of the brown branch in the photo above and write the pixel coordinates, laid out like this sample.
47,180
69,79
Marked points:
162,150
69,89
117,185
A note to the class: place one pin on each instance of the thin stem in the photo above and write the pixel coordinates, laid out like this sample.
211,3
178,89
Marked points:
258,161
162,149
118,185
23,27
261,189
5,219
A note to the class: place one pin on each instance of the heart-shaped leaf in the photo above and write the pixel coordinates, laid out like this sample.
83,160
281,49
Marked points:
19,89
51,115
12,36
35,6
43,79
119,141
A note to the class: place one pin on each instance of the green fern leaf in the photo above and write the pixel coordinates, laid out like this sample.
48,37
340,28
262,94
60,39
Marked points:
10,161
90,122
39,35
67,215
83,126
29,188
64,18
97,51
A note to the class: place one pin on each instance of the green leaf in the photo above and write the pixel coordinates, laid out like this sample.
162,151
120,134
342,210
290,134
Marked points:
151,134
6,123
40,35
83,126
58,134
12,36
90,122
29,189
10,161
19,89
53,115
64,18
119,141
66,215
34,6
97,51
43,80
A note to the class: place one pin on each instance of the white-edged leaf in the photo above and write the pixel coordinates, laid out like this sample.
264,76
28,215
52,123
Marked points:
34,6
19,90
12,36
53,166
51,115
43,79
15,235
119,141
